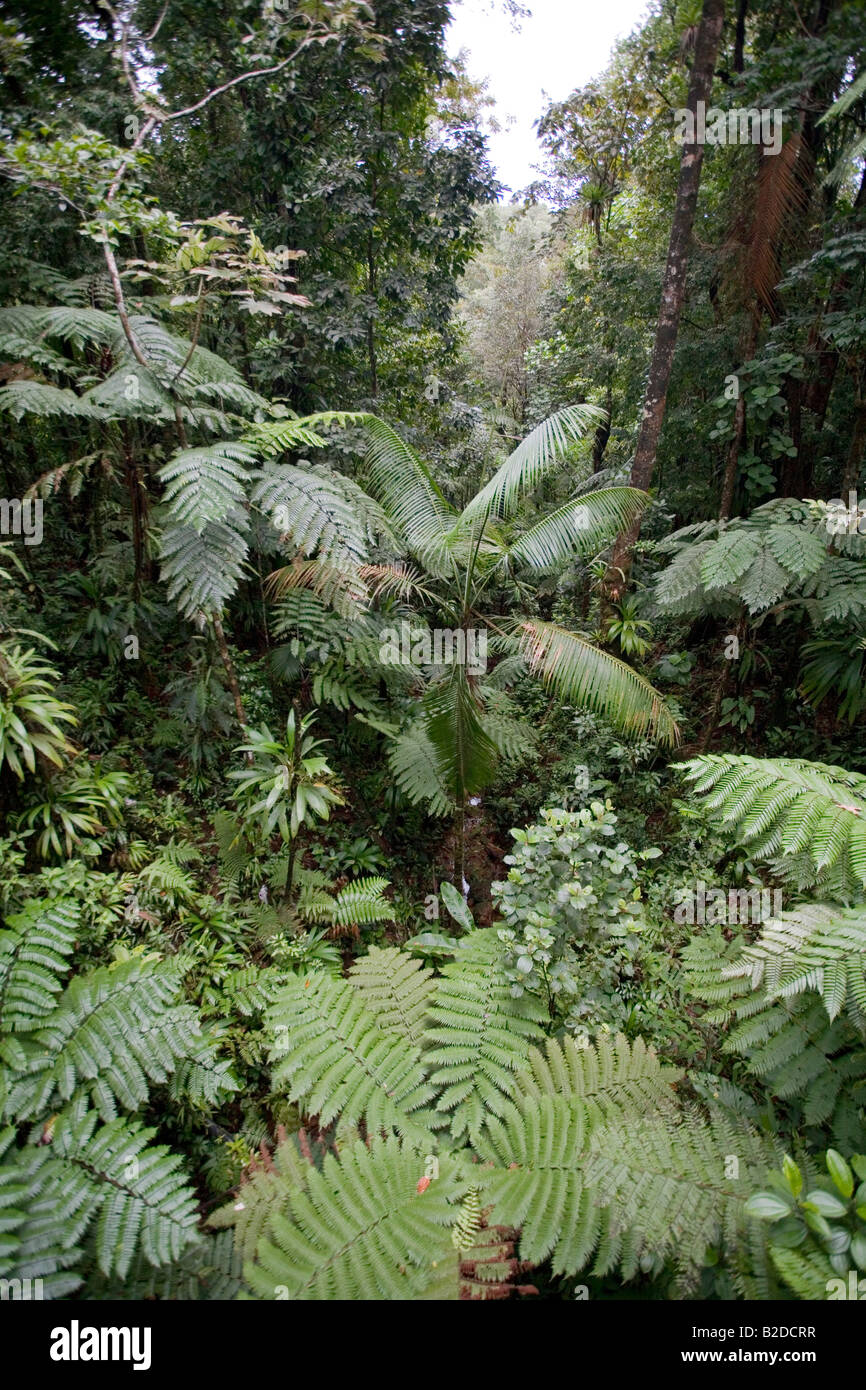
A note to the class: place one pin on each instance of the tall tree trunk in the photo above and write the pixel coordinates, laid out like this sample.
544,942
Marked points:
673,292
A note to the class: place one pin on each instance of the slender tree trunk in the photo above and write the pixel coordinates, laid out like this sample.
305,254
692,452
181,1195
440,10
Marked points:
602,434
854,462
673,292
231,674
138,504
740,36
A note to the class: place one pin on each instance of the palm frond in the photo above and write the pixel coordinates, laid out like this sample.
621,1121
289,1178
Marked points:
595,680
582,527
531,461
410,495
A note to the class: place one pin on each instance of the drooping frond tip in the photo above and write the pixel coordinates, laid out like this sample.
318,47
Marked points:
596,680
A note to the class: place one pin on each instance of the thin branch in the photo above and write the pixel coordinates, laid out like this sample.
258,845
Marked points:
148,38
120,305
127,160
235,81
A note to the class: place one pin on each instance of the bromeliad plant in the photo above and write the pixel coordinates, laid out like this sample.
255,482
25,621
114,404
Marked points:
286,784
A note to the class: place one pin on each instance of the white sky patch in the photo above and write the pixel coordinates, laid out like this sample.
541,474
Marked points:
562,46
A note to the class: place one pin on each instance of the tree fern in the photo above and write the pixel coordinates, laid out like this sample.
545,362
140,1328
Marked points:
677,1185
789,807
541,1140
396,988
104,1181
110,1033
781,1026
334,1059
479,1035
207,483
813,946
203,569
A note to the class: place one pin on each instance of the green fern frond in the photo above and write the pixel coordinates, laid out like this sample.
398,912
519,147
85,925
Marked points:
335,1059
205,484
541,1140
360,1229
396,988
479,1035
34,955
203,570
677,1185
788,806
107,1181
413,764
113,1030
813,946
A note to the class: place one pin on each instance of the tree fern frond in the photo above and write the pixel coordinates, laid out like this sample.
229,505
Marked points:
335,1060
202,570
669,1181
113,1030
413,763
479,1035
361,1230
29,397
311,510
788,806
34,955
396,988
540,1142
205,484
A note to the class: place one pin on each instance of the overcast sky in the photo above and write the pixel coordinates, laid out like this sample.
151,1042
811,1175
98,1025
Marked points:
563,45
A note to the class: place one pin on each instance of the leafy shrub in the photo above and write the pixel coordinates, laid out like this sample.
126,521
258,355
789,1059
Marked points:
572,915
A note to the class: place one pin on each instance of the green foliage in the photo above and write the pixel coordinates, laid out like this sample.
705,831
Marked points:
74,1054
479,1034
31,717
285,786
332,1054
810,814
572,915
360,1229
816,1235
